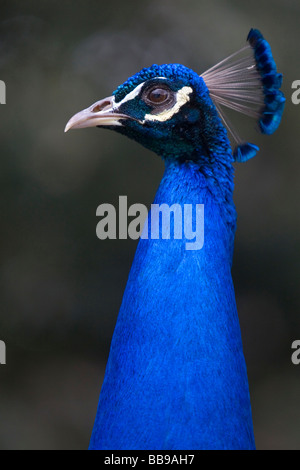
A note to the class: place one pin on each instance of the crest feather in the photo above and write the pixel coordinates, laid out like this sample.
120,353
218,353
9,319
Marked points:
247,82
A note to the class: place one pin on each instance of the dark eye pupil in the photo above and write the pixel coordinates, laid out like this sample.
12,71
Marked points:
158,95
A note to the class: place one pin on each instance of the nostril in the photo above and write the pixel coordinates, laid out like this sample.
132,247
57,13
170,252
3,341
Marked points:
101,106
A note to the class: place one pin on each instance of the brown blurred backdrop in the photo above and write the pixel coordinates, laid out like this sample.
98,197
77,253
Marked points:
61,287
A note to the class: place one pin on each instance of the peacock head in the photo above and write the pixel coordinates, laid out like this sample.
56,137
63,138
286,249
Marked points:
166,108
179,115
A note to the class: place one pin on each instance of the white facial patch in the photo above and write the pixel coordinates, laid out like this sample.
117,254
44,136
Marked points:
133,94
182,97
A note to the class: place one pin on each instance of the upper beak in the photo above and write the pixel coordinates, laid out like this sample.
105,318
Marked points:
101,113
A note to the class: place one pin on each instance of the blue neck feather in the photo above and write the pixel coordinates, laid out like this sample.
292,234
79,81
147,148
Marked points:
176,376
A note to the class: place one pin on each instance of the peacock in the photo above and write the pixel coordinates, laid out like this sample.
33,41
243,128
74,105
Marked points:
176,376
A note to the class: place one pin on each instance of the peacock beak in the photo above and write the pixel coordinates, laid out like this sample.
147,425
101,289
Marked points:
101,113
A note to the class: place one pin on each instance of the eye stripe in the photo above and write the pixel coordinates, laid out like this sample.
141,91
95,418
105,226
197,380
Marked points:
134,93
182,97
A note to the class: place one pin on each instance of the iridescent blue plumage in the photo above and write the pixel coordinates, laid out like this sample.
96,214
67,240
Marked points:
274,98
176,376
244,152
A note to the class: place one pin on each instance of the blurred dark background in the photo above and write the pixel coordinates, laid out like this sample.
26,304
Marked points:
61,287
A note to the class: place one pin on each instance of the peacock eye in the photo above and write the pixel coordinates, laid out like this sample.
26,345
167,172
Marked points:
158,95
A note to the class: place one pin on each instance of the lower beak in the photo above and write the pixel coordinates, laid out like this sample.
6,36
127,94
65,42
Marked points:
101,113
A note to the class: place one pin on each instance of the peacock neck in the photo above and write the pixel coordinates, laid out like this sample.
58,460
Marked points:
176,376
206,180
